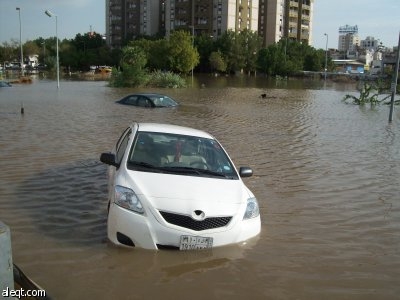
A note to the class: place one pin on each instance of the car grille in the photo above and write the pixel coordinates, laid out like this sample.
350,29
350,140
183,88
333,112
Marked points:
189,223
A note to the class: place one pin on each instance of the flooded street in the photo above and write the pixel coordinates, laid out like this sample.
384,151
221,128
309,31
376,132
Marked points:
326,175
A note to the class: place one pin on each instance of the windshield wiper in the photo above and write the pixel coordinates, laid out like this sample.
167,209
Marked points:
209,172
194,170
143,164
180,169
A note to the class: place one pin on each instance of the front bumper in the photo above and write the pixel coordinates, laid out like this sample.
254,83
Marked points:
151,231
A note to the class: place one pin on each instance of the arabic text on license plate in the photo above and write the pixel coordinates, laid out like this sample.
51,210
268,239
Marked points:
195,242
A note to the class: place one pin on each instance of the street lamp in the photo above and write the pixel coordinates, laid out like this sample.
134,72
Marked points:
44,52
193,47
20,41
192,33
50,14
326,54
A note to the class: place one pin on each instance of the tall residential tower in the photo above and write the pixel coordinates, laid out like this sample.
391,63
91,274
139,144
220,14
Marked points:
127,19
272,19
290,19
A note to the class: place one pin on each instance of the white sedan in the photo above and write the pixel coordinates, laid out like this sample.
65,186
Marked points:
173,187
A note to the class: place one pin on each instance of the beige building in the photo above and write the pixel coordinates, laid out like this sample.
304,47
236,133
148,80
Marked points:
285,19
211,17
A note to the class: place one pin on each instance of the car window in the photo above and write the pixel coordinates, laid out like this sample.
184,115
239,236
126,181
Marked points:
156,100
121,145
179,154
163,101
166,101
132,100
143,102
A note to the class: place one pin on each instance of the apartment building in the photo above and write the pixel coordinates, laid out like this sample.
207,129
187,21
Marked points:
211,17
272,19
127,19
285,19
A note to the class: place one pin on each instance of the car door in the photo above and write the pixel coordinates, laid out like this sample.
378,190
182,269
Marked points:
120,149
121,145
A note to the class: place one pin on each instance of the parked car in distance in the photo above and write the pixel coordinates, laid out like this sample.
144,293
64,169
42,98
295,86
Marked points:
175,187
4,83
148,100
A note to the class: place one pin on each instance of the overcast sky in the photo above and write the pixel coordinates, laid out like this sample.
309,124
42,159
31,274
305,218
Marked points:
379,19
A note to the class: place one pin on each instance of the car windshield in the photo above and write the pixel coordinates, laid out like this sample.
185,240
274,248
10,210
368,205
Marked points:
179,154
162,101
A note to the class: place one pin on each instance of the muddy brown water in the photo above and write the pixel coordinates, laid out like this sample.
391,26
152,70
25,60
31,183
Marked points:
326,175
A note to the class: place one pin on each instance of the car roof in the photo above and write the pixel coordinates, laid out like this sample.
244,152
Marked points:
170,128
148,94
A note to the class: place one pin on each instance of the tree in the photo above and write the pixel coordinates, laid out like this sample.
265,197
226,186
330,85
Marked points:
239,50
31,48
231,49
155,51
205,46
250,44
217,62
133,62
272,60
312,62
9,51
182,56
88,49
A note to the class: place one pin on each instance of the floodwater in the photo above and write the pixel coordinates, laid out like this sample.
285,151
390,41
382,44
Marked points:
326,175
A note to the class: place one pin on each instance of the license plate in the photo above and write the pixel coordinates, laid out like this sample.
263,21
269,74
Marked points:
189,242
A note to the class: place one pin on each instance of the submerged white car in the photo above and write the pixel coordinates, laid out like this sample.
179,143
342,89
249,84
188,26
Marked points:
174,187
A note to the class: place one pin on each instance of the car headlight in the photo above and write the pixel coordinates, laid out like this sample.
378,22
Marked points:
252,209
127,198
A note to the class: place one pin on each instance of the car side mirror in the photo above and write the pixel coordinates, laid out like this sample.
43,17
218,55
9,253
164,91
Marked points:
108,159
245,172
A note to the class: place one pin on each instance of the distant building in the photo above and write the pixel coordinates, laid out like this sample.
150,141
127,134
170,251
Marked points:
33,60
349,41
370,43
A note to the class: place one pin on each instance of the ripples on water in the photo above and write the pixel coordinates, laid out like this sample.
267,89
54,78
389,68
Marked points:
326,177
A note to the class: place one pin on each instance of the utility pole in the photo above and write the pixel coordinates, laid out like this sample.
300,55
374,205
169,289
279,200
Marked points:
20,41
326,54
192,32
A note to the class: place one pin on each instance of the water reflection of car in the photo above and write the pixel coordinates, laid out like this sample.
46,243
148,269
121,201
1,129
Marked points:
175,187
148,100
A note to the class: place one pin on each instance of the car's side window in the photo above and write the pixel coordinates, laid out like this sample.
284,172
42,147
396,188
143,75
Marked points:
132,100
143,102
121,145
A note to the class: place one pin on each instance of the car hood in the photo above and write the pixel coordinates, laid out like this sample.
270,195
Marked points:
184,194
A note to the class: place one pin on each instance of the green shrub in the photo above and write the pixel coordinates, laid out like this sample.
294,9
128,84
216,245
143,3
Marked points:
166,80
129,77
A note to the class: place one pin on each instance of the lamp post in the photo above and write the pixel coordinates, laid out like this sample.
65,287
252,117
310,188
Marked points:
20,41
192,33
326,54
394,83
44,52
50,14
